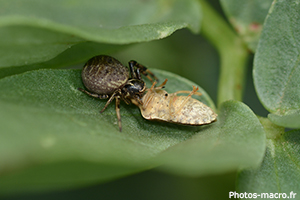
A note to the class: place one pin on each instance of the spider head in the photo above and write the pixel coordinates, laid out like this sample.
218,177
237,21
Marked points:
134,89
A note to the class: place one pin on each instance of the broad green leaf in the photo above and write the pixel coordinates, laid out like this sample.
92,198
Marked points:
51,133
78,53
276,65
22,45
247,17
33,31
279,171
235,141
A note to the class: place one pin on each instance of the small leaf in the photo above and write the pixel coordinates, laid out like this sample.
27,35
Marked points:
276,65
36,31
51,132
247,17
279,171
235,141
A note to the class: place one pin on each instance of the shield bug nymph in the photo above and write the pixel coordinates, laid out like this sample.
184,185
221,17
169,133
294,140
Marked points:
106,78
159,105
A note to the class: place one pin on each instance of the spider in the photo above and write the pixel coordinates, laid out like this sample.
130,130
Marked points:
106,78
159,105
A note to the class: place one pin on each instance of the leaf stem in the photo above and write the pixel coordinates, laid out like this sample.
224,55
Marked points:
233,54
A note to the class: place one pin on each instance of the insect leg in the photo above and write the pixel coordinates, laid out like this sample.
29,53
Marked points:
161,85
188,92
143,70
100,96
152,86
187,98
158,87
118,113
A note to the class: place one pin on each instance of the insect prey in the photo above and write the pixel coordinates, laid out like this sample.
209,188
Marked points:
159,105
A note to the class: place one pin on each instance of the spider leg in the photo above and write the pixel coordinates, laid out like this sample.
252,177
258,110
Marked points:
142,69
118,113
126,100
138,74
109,101
112,97
100,96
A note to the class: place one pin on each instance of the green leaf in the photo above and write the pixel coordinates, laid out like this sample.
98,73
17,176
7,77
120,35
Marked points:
22,45
34,31
291,119
247,17
53,136
78,53
279,171
235,141
276,65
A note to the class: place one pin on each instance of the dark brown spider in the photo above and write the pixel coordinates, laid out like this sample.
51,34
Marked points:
106,78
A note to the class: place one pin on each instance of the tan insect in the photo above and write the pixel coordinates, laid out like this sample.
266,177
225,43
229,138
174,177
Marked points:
159,105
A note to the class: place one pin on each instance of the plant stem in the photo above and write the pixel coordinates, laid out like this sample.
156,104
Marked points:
232,50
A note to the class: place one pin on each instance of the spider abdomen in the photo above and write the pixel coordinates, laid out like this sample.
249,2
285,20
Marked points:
104,75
